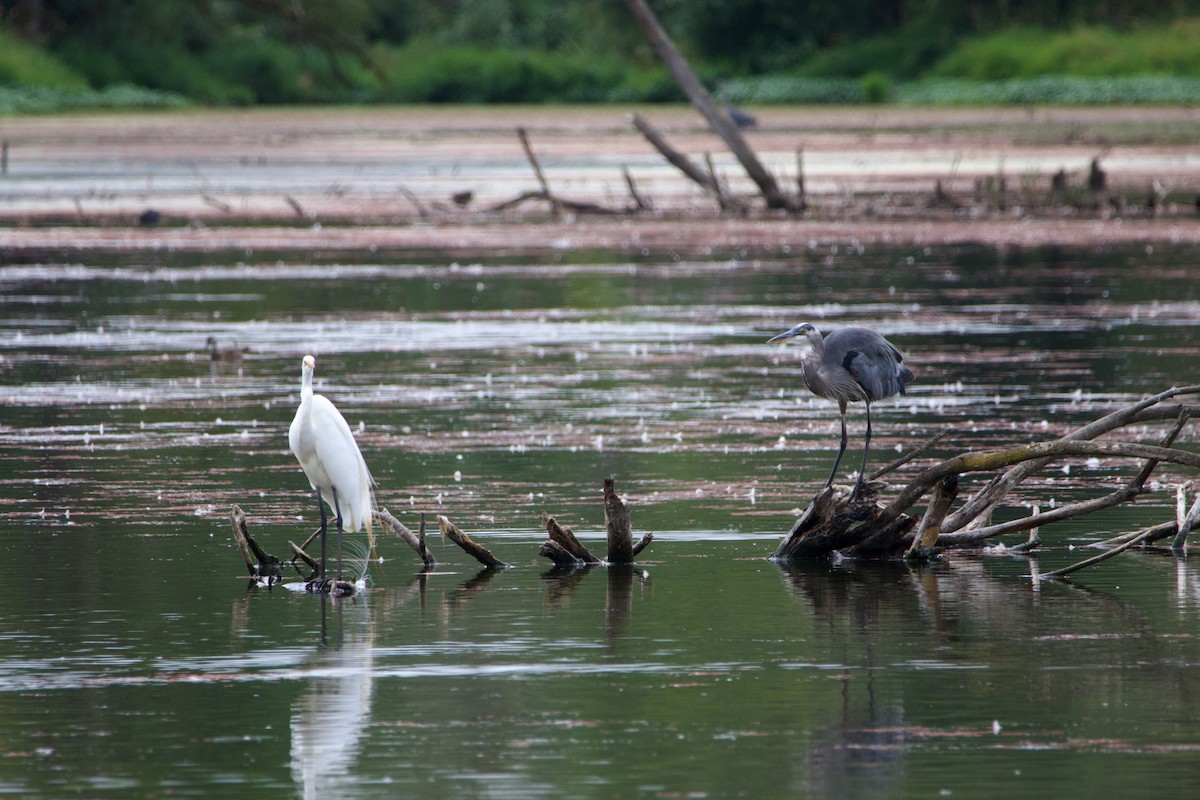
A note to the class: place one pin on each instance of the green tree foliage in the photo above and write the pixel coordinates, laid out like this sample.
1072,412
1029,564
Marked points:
256,51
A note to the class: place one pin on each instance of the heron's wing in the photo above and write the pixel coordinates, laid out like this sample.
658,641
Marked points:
877,366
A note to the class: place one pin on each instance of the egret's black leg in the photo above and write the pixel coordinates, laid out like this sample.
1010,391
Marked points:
866,447
841,449
337,510
321,508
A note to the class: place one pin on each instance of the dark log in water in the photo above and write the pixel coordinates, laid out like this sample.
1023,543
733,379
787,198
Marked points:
470,547
559,555
620,529
621,549
260,563
565,539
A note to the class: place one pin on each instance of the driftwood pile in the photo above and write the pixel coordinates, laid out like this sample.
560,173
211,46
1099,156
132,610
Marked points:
873,527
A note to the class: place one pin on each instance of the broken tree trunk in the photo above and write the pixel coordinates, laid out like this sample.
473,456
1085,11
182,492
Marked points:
259,562
621,549
679,68
869,528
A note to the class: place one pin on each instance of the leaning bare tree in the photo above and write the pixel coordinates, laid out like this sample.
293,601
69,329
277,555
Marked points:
679,68
875,527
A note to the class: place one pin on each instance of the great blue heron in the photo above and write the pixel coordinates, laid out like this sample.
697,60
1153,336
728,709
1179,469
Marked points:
850,364
322,442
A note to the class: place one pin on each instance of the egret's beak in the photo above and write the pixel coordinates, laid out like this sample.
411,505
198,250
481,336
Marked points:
783,337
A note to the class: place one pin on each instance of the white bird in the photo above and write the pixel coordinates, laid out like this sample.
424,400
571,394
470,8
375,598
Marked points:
323,444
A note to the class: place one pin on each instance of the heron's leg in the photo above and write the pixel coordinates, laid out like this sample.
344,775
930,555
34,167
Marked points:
866,446
321,508
842,449
337,510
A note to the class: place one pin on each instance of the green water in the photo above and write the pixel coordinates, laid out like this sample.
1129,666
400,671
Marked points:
134,662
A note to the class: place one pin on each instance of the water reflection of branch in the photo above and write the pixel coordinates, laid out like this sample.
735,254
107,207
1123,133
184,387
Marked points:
866,748
561,583
862,594
462,594
618,599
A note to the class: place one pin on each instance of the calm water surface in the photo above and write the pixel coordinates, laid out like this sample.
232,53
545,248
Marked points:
134,661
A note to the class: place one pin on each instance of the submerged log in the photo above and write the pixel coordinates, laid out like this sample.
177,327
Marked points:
869,527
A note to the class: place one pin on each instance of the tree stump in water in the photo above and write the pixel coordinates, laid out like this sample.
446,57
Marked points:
834,523
259,562
565,550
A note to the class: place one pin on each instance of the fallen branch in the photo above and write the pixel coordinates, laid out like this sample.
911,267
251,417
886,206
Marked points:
909,456
415,541
557,204
1001,485
565,538
470,547
639,202
720,123
537,169
578,206
299,552
931,524
1059,573
559,555
677,159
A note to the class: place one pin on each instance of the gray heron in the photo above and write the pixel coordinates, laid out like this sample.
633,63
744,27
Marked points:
850,365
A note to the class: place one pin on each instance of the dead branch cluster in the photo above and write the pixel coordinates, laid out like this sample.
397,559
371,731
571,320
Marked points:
873,527
563,548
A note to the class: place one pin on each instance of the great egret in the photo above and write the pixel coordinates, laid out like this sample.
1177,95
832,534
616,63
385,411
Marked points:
850,364
329,456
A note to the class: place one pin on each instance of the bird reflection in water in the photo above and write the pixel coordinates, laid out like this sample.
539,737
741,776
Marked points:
328,720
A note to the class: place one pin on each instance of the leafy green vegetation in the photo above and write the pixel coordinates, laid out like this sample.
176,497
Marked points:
1054,90
425,72
1081,51
241,52
22,63
52,99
